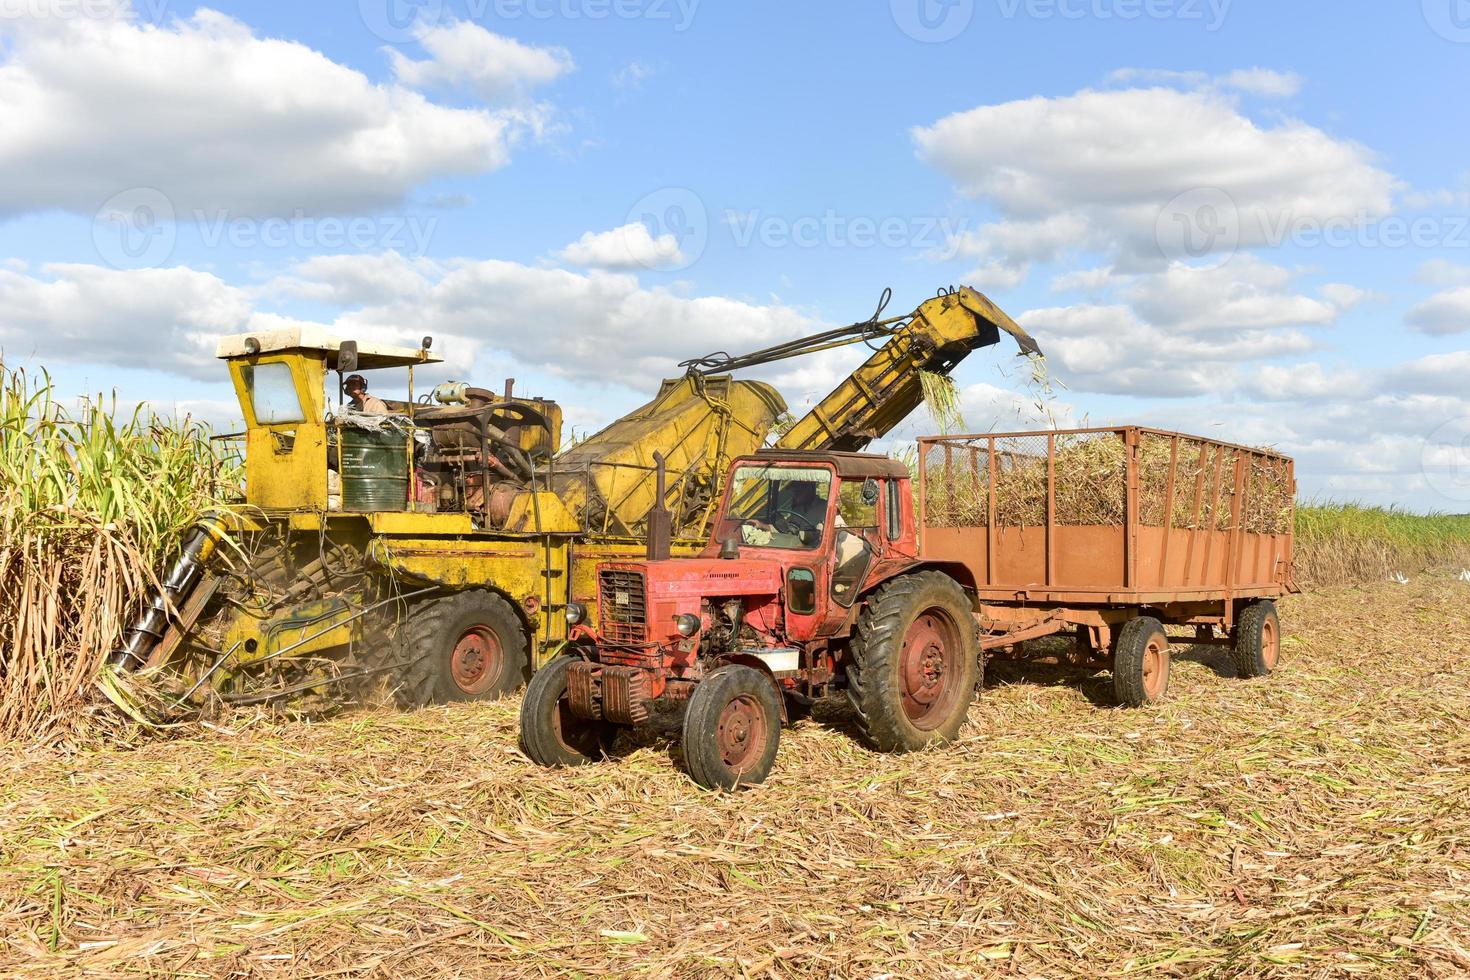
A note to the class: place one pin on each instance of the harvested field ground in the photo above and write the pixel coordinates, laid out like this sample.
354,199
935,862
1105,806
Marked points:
1313,824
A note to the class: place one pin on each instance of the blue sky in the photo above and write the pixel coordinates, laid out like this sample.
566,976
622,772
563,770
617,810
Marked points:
1242,218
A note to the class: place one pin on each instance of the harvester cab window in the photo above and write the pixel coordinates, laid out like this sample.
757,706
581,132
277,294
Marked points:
777,506
853,508
273,396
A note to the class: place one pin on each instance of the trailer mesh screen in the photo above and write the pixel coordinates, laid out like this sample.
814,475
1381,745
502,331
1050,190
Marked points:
1183,482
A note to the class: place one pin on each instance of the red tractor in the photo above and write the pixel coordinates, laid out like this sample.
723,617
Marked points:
812,579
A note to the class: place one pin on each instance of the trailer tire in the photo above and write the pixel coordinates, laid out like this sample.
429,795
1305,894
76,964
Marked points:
1141,662
732,728
468,646
1257,640
551,735
915,663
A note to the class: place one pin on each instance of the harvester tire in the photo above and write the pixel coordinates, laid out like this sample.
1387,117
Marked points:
915,663
1140,662
732,728
1257,640
468,646
551,734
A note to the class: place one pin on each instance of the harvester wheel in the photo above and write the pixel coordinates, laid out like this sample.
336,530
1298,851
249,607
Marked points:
551,734
1257,640
468,646
1141,662
916,663
732,728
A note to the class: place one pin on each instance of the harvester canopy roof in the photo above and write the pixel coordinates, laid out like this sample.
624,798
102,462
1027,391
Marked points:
370,355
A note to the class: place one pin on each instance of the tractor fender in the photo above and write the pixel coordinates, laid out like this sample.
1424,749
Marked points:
955,570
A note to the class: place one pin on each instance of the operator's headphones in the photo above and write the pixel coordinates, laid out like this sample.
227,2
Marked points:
354,379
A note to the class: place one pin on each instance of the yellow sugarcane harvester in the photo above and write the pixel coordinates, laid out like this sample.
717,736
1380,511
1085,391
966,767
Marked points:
438,546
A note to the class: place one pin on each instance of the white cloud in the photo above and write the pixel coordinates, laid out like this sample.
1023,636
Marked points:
630,247
1245,294
167,319
632,75
1108,163
1438,272
1437,374
1443,313
465,55
1108,349
1301,382
1263,81
1087,280
217,119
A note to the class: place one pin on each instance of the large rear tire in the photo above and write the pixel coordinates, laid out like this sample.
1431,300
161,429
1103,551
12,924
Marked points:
1141,663
551,733
732,728
916,663
1257,640
469,646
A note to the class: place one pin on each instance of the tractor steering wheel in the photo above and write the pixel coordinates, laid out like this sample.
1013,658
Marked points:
800,522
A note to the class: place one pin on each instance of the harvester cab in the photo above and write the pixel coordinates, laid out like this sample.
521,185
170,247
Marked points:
455,448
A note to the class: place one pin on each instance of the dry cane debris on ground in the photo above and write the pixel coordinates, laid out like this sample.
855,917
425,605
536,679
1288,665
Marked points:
1312,824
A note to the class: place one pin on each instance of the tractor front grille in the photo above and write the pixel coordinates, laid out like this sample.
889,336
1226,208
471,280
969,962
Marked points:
623,606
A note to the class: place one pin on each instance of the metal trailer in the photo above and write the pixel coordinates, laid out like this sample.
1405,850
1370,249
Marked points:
1113,533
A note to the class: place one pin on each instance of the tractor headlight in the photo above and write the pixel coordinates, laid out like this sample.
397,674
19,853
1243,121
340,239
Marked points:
576,613
687,624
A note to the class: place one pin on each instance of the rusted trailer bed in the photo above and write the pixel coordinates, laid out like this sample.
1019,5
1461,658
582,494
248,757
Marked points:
1091,529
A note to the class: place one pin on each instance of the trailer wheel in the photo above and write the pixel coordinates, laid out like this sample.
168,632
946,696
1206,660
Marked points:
468,646
1141,662
732,728
1257,640
551,733
916,663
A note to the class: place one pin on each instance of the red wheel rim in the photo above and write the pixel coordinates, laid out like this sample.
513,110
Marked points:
476,661
928,668
741,733
1156,668
1270,643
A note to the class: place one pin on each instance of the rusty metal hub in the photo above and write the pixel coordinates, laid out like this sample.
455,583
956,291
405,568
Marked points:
477,660
927,664
741,732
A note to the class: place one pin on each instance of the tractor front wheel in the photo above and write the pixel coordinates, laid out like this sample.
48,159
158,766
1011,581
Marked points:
916,663
551,733
468,646
732,728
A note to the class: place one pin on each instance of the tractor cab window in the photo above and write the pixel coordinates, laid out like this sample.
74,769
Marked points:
777,506
273,397
854,506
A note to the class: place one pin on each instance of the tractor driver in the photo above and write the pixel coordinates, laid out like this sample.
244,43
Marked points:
356,388
806,505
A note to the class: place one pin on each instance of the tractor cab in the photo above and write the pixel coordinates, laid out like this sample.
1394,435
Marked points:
455,448
828,519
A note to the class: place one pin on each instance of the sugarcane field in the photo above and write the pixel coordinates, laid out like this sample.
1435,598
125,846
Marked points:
662,489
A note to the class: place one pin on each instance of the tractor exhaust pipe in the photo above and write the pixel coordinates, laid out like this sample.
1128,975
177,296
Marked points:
148,629
660,521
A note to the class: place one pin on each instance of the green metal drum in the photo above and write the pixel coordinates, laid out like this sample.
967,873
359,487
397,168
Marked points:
374,470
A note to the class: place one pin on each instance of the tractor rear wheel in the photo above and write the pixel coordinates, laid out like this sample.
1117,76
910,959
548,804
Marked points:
916,663
1257,640
732,728
551,733
468,646
1141,662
